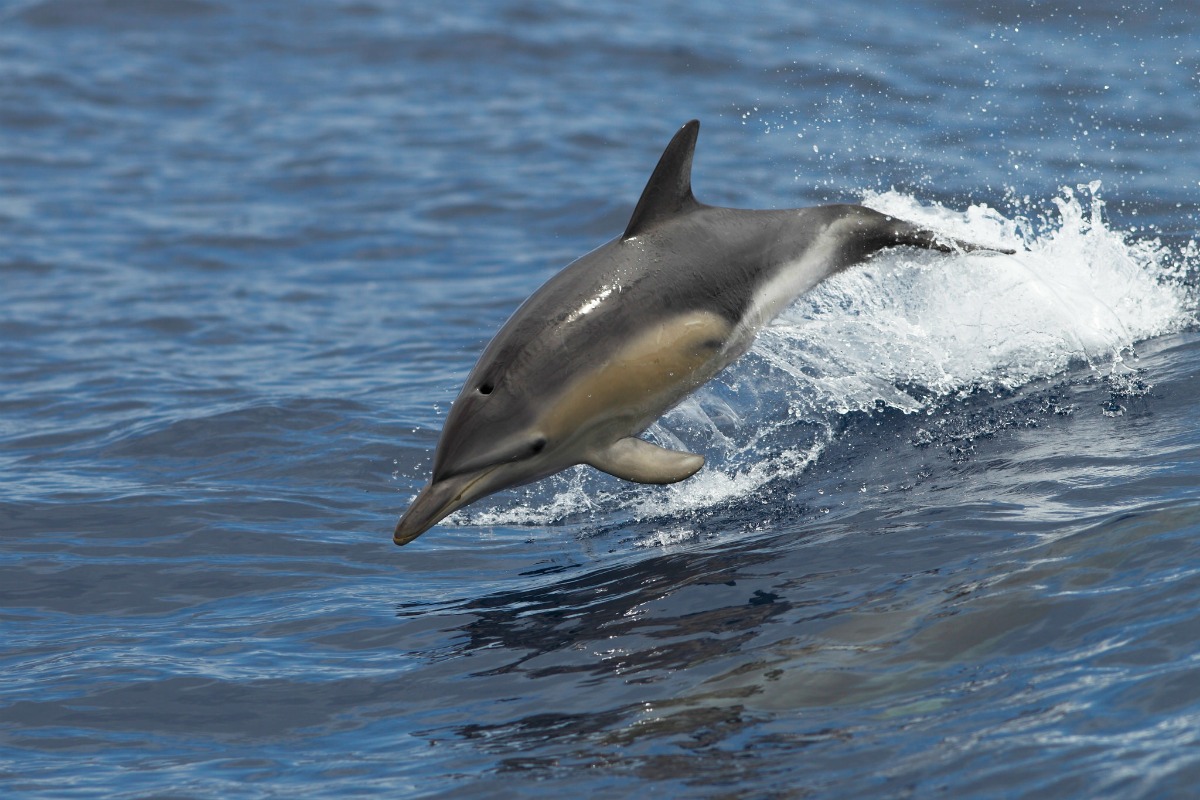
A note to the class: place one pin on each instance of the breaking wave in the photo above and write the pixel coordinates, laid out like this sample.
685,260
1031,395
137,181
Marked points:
909,331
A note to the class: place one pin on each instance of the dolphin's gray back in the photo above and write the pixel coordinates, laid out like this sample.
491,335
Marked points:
711,259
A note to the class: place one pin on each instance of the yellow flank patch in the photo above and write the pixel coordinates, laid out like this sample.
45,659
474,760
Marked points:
644,378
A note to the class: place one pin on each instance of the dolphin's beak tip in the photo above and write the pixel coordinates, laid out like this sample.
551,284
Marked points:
427,509
406,533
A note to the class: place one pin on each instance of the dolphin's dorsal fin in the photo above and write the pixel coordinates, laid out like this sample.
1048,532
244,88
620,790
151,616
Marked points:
637,460
669,190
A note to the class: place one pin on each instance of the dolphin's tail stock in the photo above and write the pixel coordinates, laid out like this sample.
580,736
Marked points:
907,233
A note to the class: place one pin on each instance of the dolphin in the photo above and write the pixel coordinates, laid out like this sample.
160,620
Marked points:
620,336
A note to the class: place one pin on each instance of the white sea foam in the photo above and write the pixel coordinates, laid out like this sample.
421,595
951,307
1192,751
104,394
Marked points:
908,330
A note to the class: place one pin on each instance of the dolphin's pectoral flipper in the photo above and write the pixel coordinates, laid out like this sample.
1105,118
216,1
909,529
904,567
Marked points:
637,460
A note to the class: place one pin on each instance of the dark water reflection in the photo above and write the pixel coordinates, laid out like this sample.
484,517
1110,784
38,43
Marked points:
702,667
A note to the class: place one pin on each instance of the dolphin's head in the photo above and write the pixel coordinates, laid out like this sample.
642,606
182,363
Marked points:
555,386
491,441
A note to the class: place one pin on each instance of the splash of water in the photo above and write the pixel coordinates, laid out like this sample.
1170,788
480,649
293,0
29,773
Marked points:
909,330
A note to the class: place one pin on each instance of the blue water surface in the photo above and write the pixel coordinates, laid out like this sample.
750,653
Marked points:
251,249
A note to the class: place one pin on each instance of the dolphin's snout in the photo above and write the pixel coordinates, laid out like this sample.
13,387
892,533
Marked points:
431,506
439,500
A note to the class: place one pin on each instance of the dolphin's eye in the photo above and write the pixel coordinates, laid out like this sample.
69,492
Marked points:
538,446
485,388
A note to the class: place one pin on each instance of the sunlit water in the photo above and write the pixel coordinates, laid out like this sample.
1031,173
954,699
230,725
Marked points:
945,542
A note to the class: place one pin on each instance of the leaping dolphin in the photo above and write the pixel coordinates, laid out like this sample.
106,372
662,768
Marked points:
621,335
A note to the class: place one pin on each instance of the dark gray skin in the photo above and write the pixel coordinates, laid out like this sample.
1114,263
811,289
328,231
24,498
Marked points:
617,338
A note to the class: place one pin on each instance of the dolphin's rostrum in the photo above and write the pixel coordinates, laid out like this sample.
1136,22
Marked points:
616,339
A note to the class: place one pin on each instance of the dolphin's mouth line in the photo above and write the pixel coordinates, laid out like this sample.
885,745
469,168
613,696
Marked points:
467,488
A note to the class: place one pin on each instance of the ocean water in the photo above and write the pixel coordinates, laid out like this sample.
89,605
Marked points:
947,541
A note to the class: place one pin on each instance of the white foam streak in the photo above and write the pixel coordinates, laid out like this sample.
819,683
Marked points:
910,330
